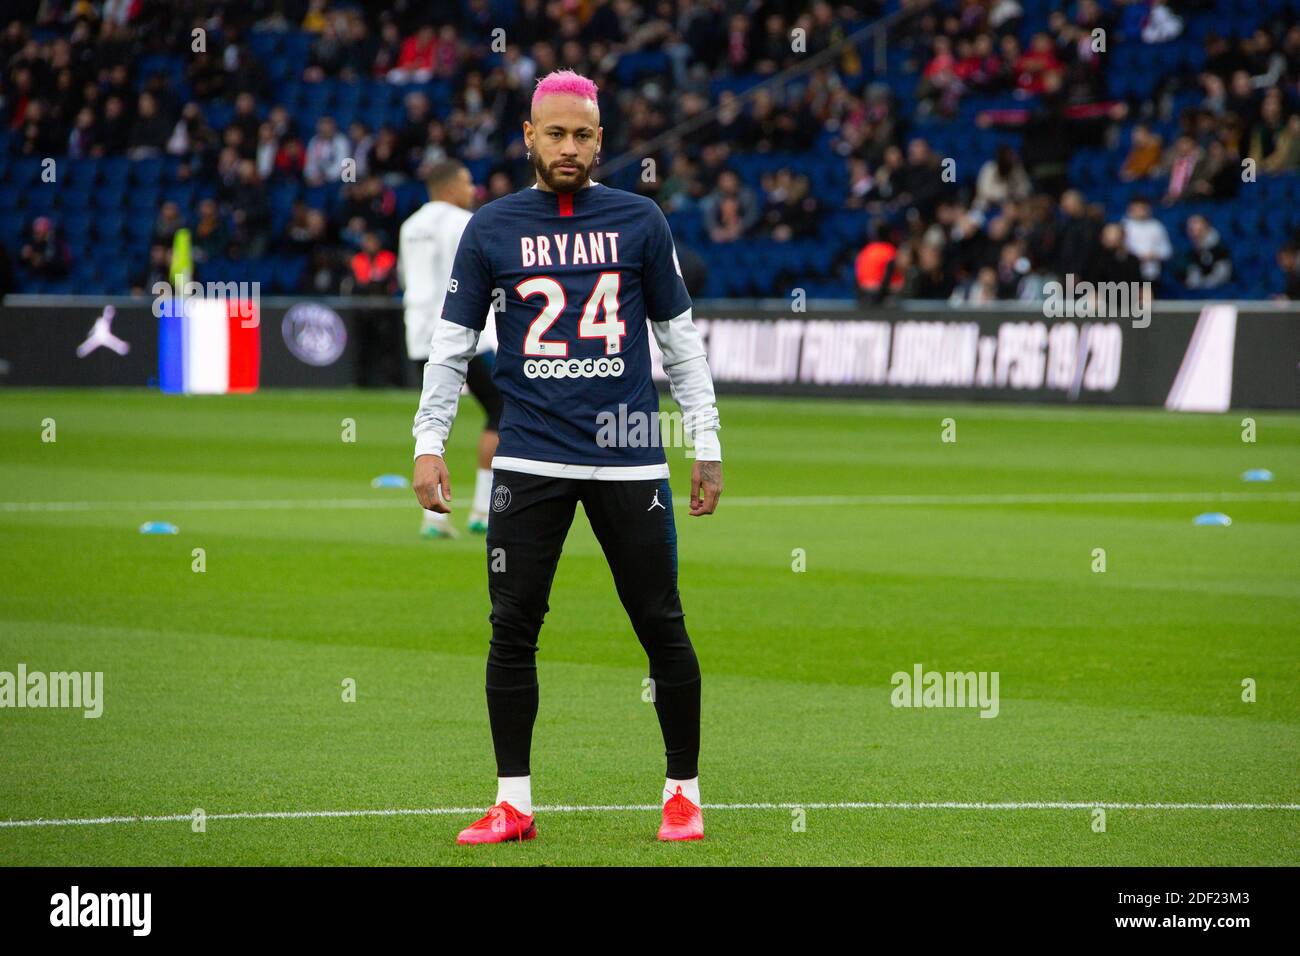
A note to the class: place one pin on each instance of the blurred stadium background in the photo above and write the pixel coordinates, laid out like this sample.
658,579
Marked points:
242,143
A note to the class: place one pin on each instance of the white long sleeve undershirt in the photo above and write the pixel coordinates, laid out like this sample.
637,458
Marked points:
690,382
450,351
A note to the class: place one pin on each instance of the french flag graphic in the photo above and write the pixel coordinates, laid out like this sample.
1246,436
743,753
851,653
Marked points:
209,346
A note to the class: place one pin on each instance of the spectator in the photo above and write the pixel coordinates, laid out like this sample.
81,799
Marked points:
1112,261
1181,163
1001,179
1147,239
1217,175
1143,156
1012,267
1243,101
1161,24
245,118
1079,235
268,147
1266,132
40,131
1215,100
791,209
1208,263
151,130
922,183
1288,263
316,18
326,152
1033,67
305,229
928,279
1285,157
155,270
871,267
191,136
674,191
387,158
980,69
730,211
250,212
373,268
44,252
328,55
211,237
362,143
939,88
415,62
353,235
83,141
981,290
414,132
167,223
290,158
1005,16
115,126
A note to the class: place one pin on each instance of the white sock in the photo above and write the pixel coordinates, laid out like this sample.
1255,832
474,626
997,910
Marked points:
690,789
518,792
434,517
483,491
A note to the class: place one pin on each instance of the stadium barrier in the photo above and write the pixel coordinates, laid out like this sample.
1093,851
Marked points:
1190,356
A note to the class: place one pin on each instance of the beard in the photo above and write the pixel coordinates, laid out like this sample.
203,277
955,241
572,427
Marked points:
561,182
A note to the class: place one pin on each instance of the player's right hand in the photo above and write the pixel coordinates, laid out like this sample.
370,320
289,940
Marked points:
432,483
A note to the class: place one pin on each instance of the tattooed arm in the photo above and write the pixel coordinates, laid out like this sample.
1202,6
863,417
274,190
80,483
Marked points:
706,487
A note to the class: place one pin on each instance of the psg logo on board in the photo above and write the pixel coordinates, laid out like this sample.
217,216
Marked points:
314,334
501,498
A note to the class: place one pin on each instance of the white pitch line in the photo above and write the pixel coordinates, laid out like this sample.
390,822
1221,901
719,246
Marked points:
1030,498
1046,498
625,808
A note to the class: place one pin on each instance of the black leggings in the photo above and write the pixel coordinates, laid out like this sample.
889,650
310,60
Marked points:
633,521
479,379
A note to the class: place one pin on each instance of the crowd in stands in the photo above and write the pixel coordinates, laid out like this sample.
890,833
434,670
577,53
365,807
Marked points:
1022,224
316,153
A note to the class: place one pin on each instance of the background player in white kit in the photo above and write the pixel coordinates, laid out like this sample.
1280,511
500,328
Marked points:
426,248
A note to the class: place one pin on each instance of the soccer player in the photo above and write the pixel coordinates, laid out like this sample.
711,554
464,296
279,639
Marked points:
426,246
582,274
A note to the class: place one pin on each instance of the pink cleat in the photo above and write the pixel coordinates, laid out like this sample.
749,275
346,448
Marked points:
503,822
683,820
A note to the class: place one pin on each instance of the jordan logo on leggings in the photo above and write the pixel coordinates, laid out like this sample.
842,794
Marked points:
656,503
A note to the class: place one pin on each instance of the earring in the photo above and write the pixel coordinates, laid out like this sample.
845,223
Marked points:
597,157
529,154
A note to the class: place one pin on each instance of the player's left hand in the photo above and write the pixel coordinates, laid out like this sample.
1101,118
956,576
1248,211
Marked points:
706,487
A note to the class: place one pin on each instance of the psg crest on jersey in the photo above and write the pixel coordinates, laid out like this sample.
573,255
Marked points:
501,498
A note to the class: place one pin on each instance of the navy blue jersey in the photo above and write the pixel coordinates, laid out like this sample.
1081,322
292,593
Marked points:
574,278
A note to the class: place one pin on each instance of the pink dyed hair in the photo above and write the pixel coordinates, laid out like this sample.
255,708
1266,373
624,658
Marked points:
564,81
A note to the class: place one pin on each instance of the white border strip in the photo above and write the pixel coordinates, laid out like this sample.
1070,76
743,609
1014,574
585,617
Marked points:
626,808
357,504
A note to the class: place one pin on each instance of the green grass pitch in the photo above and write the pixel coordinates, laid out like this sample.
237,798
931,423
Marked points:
223,689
